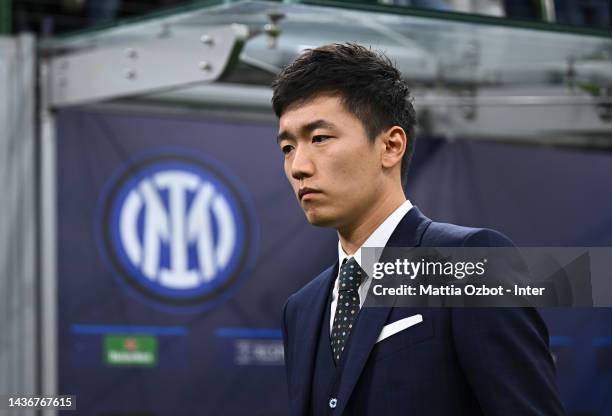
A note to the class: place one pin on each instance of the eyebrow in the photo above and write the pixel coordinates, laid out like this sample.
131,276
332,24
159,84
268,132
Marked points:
306,129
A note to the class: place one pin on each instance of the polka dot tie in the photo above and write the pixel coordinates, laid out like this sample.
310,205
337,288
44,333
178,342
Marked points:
347,307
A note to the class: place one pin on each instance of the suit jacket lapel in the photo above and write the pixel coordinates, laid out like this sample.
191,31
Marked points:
371,320
308,337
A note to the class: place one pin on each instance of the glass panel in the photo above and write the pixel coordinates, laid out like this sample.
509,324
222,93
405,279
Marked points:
576,16
580,13
427,49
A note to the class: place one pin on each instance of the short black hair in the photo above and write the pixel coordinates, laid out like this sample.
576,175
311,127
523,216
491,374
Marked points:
369,84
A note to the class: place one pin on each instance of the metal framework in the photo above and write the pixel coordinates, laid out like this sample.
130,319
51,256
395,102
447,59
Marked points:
145,66
471,80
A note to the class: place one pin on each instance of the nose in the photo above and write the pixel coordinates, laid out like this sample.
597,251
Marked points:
302,165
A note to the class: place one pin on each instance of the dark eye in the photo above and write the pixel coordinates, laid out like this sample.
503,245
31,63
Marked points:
286,148
319,138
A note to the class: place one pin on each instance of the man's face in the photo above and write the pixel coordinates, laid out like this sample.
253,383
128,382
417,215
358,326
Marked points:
332,166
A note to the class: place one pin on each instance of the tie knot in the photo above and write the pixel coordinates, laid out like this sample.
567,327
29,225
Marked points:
350,275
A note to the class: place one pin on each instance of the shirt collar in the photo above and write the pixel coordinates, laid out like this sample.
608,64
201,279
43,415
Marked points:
381,235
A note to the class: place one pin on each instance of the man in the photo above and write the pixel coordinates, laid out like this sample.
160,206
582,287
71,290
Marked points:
346,130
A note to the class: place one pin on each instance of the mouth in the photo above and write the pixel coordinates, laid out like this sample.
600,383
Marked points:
306,191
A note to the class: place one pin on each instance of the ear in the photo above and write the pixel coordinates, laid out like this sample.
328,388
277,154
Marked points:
394,141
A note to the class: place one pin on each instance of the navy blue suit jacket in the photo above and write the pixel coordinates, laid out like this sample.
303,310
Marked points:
461,361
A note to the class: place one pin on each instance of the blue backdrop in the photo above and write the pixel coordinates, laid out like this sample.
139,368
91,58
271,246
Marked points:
216,348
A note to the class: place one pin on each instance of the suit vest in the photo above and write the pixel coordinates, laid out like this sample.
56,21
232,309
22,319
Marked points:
327,374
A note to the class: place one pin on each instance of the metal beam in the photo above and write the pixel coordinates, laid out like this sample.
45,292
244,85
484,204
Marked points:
145,66
48,245
529,114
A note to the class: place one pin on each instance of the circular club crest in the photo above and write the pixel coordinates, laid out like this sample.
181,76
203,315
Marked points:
176,230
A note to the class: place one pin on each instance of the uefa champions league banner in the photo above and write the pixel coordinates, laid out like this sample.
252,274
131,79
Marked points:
178,243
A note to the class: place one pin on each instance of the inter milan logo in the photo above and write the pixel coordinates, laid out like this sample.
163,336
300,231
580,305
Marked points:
176,230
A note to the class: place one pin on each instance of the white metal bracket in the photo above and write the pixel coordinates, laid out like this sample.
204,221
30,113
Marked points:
147,66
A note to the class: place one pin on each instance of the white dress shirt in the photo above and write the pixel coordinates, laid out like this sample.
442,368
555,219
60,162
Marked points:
378,238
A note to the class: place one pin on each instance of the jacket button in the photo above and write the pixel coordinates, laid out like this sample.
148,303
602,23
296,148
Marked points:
333,402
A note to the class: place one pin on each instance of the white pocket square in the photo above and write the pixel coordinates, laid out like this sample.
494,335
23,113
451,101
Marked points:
398,326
